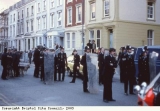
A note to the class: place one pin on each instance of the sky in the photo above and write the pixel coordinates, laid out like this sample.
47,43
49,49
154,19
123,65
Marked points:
4,4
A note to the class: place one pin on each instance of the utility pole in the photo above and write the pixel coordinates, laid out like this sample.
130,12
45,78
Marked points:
83,10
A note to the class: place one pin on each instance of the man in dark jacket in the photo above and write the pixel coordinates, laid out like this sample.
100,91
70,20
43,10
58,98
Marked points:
109,65
30,56
76,65
101,65
42,64
85,73
122,59
4,64
143,67
129,71
36,60
62,62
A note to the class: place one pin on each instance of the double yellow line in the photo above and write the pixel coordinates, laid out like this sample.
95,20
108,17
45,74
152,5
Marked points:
6,101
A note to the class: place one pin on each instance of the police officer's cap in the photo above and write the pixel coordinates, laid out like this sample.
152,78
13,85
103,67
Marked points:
87,48
74,50
145,47
128,47
123,48
112,50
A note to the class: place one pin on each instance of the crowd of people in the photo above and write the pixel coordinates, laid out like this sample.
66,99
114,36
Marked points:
107,63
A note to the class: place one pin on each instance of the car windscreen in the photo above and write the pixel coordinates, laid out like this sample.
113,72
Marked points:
155,50
156,86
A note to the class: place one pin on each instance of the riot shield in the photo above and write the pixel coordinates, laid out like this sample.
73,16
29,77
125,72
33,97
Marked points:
49,67
152,64
92,69
57,51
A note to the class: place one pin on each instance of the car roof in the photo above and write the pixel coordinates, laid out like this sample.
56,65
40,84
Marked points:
150,47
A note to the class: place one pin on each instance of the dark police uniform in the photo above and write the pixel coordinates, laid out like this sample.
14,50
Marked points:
55,67
36,60
85,73
143,66
109,65
129,73
122,60
42,65
101,66
62,58
76,64
4,64
9,62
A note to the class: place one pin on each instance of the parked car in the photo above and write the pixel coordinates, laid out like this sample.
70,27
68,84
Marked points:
150,49
70,66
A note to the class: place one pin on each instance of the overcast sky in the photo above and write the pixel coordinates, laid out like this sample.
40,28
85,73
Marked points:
4,4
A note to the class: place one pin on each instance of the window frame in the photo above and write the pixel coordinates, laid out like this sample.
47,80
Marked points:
59,19
98,38
39,8
52,20
69,15
68,40
104,8
32,10
52,4
32,25
153,10
91,10
44,5
150,36
77,13
73,40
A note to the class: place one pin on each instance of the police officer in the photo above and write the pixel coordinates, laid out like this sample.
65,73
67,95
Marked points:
9,61
55,67
76,65
143,66
42,64
109,66
129,72
122,59
36,60
4,64
85,73
101,64
62,61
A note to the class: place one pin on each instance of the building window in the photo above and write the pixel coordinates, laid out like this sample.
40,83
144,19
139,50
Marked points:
13,30
14,17
68,40
40,40
27,26
73,40
70,16
38,24
150,10
21,28
22,14
38,7
79,14
59,18
93,11
27,12
59,2
91,34
18,29
50,41
44,3
69,1
11,18
52,20
32,10
98,38
52,3
150,37
44,23
31,25
18,16
106,8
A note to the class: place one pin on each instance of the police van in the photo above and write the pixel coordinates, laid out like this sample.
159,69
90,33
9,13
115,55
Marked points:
150,50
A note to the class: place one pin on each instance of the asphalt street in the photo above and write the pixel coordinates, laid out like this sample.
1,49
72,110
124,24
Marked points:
30,91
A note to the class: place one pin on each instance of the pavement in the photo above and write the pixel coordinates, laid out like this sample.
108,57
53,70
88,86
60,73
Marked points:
30,91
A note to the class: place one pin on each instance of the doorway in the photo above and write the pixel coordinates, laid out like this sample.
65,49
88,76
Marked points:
111,37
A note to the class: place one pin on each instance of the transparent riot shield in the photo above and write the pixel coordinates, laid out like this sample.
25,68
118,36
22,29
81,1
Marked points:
92,69
49,67
152,64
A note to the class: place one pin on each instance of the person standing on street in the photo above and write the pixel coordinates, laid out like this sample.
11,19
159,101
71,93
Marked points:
42,64
36,60
93,47
30,56
89,44
4,64
129,71
85,73
110,64
76,65
143,67
101,64
122,60
62,62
